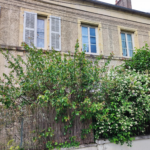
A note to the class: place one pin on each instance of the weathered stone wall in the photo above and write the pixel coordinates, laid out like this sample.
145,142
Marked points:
70,11
11,23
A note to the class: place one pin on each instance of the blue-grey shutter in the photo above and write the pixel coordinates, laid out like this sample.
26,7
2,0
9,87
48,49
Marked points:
55,33
30,28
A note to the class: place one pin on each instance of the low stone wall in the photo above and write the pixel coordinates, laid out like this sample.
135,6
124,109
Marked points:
140,143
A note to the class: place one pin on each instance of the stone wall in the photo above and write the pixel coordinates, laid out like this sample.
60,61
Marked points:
71,11
12,14
109,20
9,24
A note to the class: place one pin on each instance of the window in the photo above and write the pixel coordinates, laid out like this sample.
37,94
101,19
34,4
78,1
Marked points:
89,43
127,44
35,31
41,33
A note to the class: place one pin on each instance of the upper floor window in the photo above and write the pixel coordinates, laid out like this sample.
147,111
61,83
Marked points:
35,32
127,44
89,39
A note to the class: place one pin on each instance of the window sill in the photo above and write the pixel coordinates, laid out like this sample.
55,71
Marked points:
127,57
94,54
54,50
47,49
42,48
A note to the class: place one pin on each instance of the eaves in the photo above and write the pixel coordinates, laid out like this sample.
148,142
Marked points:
116,7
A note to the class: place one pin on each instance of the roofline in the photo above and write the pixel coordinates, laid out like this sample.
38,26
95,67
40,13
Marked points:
120,8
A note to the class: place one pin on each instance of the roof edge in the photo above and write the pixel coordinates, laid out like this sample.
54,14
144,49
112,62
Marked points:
119,8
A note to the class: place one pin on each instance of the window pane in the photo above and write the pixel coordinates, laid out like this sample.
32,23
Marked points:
85,47
40,43
84,31
40,23
93,48
40,33
92,31
125,52
93,40
123,37
130,53
129,37
124,45
130,45
84,39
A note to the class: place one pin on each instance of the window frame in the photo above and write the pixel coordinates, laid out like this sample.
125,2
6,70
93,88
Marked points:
45,34
89,40
133,44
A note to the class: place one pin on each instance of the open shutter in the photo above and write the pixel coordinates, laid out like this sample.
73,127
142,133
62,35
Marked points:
30,28
55,33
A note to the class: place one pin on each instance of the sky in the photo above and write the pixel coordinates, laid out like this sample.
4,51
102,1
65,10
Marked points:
141,5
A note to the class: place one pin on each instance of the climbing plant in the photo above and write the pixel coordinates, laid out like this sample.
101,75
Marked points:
69,82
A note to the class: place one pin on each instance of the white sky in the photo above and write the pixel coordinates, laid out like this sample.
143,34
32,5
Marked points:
142,5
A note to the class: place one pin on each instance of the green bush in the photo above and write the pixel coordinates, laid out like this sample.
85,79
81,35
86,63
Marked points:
68,82
127,106
140,60
118,102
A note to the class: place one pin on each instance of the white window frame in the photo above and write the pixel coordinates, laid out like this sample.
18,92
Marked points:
45,37
132,35
89,41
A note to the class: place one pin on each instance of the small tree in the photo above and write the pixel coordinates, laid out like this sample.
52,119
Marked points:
67,82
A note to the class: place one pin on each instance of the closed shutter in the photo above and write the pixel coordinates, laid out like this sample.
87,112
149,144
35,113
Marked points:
30,28
55,33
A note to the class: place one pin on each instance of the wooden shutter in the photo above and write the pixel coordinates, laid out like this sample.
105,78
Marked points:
30,28
55,33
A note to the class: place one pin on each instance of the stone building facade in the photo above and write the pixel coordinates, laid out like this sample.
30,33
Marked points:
110,23
107,20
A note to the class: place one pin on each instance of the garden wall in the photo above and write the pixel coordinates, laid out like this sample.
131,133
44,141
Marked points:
140,143
22,126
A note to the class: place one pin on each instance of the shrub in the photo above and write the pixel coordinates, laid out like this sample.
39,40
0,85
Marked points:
127,105
140,60
68,82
